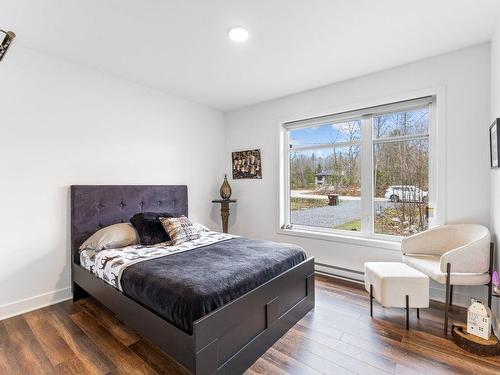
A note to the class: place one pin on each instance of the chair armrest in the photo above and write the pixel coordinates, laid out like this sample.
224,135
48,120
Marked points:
429,242
471,258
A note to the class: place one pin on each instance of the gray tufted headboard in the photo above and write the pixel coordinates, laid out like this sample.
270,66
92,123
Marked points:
96,206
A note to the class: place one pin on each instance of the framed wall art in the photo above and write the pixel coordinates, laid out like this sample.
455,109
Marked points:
494,143
247,164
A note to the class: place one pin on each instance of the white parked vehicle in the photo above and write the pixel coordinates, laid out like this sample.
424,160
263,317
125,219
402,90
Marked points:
405,193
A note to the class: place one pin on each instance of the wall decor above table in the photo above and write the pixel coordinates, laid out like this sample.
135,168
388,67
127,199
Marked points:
247,164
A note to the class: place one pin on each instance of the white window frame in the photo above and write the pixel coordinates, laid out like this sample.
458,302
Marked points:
436,164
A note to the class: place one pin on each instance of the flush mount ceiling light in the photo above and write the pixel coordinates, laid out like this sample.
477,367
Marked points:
238,34
7,40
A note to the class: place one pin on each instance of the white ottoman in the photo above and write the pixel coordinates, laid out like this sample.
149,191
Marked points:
395,284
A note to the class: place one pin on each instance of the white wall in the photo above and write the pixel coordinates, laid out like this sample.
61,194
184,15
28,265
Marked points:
495,173
464,75
60,125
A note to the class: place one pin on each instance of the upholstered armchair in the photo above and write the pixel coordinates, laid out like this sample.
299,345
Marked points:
459,254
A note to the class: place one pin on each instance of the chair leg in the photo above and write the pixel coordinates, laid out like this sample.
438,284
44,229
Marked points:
371,300
407,312
490,292
490,284
451,295
418,313
446,298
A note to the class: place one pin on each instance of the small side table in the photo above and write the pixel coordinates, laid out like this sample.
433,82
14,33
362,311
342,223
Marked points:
224,211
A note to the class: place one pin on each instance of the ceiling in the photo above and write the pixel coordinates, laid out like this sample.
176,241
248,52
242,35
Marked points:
181,46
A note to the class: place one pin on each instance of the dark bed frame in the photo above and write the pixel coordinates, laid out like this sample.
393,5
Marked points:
226,341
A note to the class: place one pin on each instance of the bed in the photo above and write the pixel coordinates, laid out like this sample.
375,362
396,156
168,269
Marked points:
213,330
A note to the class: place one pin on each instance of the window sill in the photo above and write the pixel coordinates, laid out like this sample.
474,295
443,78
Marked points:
394,245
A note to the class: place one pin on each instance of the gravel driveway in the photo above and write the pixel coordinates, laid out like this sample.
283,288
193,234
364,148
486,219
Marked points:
332,216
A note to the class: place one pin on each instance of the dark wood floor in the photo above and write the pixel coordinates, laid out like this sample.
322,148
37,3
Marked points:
338,337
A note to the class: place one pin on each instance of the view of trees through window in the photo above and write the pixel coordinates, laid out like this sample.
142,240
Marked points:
325,173
325,176
401,172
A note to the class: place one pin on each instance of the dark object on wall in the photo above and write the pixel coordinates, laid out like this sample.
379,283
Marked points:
494,143
474,344
225,189
150,228
7,40
224,211
247,164
228,340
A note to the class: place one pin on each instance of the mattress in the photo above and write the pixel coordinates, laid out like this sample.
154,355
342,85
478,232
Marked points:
183,287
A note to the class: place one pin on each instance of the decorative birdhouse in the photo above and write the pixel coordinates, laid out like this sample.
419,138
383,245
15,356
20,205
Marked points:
479,320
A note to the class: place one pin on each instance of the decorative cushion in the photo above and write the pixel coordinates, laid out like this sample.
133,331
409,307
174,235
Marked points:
180,229
149,227
112,237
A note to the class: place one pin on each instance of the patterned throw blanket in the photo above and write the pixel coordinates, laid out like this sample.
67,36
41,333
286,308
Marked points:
109,265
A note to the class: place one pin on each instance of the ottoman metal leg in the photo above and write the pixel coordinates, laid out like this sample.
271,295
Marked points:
407,312
393,284
371,300
446,298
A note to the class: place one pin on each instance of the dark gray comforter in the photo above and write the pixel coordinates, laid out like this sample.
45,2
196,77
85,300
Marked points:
186,286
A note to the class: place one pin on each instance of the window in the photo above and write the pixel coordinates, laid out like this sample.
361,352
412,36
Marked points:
362,173
325,160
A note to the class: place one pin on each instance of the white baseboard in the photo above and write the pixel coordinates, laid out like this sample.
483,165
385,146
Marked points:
338,277
29,304
339,272
437,294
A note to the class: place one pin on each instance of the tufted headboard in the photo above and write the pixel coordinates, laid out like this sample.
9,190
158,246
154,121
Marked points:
96,206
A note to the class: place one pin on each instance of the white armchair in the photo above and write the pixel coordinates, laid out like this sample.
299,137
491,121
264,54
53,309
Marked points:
459,254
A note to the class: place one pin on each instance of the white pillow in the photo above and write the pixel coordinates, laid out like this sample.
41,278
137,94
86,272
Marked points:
112,237
201,227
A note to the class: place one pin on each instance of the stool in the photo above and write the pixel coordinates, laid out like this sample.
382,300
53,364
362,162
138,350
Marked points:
395,284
